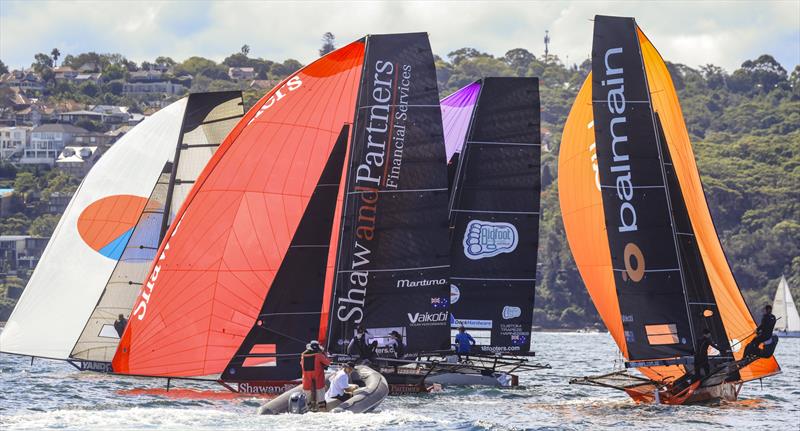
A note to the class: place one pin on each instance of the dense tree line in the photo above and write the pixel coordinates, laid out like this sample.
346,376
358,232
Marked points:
744,125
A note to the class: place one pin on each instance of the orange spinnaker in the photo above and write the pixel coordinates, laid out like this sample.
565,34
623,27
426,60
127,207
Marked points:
236,224
735,315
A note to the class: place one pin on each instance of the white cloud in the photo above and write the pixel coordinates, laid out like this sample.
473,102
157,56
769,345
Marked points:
694,33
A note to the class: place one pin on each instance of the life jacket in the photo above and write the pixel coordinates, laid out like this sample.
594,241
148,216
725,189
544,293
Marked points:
313,363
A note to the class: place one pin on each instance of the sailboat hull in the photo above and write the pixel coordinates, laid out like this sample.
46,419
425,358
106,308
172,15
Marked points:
694,394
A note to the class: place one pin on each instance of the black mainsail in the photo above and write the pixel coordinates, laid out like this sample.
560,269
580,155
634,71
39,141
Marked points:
494,217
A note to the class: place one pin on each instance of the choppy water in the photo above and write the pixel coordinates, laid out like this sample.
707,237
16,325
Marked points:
51,394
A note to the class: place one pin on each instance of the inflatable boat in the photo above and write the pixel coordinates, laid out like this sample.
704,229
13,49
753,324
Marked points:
371,392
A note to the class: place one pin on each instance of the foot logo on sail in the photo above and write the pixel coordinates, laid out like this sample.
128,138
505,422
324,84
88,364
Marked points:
510,312
487,239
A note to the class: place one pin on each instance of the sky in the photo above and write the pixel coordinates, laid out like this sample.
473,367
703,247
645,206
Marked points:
694,33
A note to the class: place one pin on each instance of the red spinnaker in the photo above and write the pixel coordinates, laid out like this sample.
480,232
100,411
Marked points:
218,260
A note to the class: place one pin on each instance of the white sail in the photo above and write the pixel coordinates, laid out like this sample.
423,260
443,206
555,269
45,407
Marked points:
76,264
785,309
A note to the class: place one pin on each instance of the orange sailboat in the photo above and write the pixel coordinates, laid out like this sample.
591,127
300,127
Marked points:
641,233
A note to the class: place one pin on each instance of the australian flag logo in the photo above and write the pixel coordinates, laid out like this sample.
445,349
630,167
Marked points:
439,302
518,339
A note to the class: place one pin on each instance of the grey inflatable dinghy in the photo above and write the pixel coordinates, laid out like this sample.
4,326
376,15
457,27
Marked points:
371,392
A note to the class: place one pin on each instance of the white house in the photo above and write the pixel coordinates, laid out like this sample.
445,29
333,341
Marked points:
47,141
165,87
241,72
12,141
77,161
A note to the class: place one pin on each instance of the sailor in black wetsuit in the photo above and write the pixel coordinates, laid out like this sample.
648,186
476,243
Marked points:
701,355
763,332
120,324
362,347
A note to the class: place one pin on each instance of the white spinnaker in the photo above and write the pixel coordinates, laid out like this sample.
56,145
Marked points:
71,276
785,309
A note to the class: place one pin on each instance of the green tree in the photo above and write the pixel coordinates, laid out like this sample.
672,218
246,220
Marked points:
519,60
44,225
41,63
3,68
15,224
245,50
55,53
328,43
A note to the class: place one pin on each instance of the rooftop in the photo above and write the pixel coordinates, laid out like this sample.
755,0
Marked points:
59,128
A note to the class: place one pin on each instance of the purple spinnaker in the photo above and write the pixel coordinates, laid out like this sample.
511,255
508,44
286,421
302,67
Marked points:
456,112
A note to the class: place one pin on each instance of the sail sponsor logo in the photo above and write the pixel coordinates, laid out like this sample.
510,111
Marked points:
109,234
421,283
368,175
144,297
291,85
471,323
265,388
455,294
510,312
101,367
500,349
484,239
593,153
399,127
620,167
439,302
424,319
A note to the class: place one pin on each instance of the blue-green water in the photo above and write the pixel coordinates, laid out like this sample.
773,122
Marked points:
52,394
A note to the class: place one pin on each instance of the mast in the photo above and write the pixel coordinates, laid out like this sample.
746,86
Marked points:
165,221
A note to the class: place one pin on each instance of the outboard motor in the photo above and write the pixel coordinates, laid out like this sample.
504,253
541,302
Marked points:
298,404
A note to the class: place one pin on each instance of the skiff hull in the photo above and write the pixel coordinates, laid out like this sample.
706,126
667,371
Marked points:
694,394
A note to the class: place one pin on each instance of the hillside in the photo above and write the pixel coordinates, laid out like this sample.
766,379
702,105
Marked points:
745,128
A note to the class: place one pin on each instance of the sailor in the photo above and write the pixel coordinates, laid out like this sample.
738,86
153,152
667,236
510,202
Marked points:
396,341
361,346
314,361
464,342
763,332
701,355
120,324
340,388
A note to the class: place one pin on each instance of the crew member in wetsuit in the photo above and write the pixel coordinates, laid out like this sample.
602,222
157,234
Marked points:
120,324
361,346
763,332
314,362
464,342
701,355
396,341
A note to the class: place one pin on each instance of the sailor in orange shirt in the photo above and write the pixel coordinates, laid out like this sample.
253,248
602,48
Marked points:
314,361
